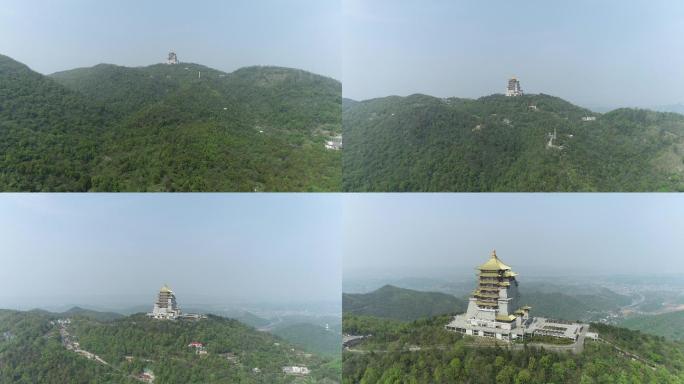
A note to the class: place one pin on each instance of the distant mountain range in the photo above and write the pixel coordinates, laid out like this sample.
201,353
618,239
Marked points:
402,304
498,143
183,127
109,348
555,301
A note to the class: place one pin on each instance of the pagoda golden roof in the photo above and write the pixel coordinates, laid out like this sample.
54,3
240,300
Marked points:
489,274
494,264
165,289
487,295
505,318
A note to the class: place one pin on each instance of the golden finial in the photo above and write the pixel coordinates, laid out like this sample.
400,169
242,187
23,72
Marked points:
494,253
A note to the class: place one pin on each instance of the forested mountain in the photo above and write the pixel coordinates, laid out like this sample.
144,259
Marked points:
669,325
571,305
34,348
423,352
313,338
401,304
90,314
179,127
498,143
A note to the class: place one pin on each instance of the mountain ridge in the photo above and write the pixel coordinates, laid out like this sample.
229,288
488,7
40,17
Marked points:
498,143
401,304
167,128
127,346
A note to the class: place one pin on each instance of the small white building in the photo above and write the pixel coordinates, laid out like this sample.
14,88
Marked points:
296,370
335,143
589,118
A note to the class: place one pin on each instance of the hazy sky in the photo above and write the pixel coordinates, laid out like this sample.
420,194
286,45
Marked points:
51,36
594,53
435,235
233,247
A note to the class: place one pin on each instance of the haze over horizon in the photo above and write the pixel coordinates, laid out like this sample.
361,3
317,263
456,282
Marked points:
237,247
51,37
441,235
597,55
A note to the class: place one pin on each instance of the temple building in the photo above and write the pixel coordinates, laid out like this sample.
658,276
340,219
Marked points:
172,59
514,87
165,308
495,309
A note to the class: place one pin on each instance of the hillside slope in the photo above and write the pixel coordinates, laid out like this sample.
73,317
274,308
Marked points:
48,133
669,325
423,352
181,127
498,143
401,304
312,338
33,348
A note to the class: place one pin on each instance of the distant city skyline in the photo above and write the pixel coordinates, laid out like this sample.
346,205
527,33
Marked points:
223,247
440,235
599,55
56,36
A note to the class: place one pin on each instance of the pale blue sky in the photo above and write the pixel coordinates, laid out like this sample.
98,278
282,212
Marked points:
50,36
595,53
227,247
437,235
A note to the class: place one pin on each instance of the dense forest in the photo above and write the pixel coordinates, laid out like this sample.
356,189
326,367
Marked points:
32,350
181,127
423,352
498,143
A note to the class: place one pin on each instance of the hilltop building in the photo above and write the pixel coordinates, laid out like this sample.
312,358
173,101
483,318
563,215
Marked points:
514,87
165,308
495,310
173,58
335,143
296,370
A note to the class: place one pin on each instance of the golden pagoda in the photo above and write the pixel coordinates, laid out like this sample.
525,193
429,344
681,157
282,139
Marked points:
493,310
165,307
493,306
492,277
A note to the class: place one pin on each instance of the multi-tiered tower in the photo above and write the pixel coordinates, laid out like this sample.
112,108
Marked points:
165,307
493,308
173,58
514,87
